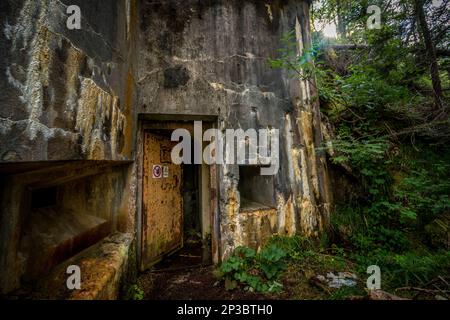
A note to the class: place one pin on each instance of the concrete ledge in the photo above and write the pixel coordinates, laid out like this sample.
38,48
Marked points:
103,267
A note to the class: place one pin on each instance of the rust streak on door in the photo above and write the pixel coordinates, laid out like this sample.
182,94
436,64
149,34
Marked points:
162,201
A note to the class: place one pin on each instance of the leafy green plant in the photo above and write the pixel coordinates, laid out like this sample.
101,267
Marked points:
271,261
135,292
256,271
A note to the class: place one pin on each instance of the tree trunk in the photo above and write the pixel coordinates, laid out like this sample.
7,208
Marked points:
341,24
431,52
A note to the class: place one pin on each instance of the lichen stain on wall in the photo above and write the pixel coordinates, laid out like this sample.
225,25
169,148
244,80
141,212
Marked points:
257,227
230,230
97,111
32,81
68,116
287,224
126,147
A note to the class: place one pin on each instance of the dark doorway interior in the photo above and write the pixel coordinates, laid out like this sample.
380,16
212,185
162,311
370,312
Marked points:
191,204
192,253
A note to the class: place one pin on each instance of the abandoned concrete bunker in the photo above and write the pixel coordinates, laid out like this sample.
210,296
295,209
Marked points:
86,118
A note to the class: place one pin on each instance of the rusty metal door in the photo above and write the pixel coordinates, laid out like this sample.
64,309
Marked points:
162,227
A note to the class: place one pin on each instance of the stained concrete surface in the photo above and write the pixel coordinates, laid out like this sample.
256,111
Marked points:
77,95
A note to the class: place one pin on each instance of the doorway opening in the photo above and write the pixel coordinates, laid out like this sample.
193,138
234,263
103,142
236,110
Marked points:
187,227
192,252
192,215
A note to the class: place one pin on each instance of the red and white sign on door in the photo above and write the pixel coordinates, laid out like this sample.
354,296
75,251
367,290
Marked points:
157,172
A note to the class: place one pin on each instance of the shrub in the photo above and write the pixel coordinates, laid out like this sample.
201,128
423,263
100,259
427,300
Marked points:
256,271
134,292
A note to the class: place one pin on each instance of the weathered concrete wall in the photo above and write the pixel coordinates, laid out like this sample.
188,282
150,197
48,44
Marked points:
76,95
67,94
209,58
104,268
31,242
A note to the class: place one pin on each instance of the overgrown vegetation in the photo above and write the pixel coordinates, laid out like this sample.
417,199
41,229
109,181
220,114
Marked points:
258,272
390,134
134,292
392,137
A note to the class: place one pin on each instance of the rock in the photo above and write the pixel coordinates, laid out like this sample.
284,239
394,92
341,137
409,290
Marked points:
321,278
342,279
320,282
334,281
230,284
348,275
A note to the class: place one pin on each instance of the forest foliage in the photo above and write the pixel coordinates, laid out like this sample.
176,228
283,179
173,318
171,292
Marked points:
388,118
390,129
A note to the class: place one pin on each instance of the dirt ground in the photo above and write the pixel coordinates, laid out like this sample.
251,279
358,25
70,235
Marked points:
201,284
189,284
183,277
